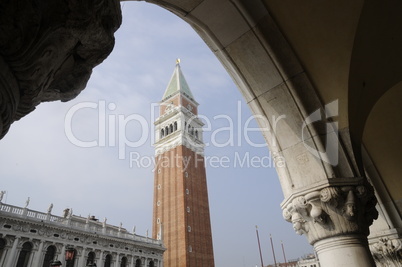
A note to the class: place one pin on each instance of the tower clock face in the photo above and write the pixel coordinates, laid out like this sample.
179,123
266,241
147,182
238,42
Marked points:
169,107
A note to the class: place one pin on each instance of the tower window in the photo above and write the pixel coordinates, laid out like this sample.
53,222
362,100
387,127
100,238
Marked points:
186,174
187,191
175,126
189,228
158,221
196,134
171,128
166,130
158,203
188,209
162,133
190,248
159,186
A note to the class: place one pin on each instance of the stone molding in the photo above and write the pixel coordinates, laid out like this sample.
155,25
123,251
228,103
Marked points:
387,252
332,211
181,138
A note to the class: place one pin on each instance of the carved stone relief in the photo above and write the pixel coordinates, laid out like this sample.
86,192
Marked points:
387,252
48,50
331,211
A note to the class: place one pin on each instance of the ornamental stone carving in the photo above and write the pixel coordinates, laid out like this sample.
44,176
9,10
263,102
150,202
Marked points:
387,252
331,211
48,50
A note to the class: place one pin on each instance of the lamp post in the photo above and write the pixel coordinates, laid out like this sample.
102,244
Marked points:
55,264
70,251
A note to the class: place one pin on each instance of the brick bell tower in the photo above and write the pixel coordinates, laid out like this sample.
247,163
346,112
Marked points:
181,210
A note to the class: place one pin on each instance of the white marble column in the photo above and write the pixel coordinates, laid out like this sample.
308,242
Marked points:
7,249
81,260
30,260
3,256
345,251
38,254
101,262
116,260
10,261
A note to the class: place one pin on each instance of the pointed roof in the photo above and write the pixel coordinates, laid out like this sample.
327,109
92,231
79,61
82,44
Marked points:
177,84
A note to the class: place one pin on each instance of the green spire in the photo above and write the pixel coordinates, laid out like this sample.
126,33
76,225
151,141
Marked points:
177,84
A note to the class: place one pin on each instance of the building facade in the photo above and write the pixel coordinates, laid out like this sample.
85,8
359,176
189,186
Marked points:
30,238
181,210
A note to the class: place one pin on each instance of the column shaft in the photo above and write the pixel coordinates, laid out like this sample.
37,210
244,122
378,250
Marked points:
11,257
38,254
345,251
81,260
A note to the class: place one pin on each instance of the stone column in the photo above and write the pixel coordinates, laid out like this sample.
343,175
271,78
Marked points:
81,260
3,256
31,257
116,260
11,256
62,255
101,260
38,254
346,250
7,249
336,221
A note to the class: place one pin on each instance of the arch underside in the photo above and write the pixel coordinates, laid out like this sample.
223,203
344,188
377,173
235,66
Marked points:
291,59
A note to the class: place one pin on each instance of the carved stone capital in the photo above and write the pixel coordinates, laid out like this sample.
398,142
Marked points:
332,211
387,252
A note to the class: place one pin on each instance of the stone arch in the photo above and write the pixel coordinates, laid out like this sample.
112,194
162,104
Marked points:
3,244
91,257
138,263
108,260
280,94
49,255
380,127
24,255
123,262
282,89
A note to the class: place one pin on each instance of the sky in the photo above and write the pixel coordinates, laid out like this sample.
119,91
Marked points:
94,153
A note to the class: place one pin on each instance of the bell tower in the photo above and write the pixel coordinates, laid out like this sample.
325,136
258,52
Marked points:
181,210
